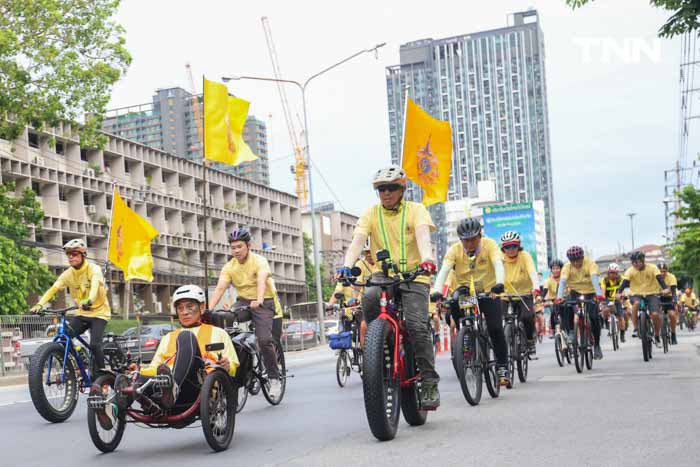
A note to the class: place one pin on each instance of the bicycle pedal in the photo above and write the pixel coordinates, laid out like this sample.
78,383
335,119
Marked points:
96,402
161,381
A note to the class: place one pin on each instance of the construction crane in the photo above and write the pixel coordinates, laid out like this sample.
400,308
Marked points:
299,167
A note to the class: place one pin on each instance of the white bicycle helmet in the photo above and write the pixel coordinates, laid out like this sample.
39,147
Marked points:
614,267
388,175
77,244
510,237
193,292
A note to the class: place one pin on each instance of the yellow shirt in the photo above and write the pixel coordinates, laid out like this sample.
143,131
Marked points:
551,284
367,270
688,300
347,292
580,280
518,271
218,335
480,269
643,282
670,281
610,287
451,282
279,312
86,283
244,277
413,215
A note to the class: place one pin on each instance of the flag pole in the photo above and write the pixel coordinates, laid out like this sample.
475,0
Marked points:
403,133
205,205
107,273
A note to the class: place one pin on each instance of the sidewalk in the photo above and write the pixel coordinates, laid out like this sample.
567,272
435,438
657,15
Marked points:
320,353
13,380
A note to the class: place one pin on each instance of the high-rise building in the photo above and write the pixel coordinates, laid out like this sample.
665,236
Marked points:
168,123
491,87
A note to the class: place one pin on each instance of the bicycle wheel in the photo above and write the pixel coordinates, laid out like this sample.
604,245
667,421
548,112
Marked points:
644,336
511,346
614,333
589,349
217,410
380,388
558,350
342,368
578,347
665,333
106,422
410,395
242,396
469,365
54,392
488,358
523,353
282,370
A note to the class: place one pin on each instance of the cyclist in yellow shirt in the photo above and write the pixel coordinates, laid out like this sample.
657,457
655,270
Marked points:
403,229
580,275
250,274
689,301
549,290
644,280
609,285
86,285
669,301
522,281
479,259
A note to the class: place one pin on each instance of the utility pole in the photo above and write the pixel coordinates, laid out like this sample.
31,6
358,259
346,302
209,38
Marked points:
631,216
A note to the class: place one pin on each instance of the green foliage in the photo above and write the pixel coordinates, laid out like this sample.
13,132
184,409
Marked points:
58,61
21,274
327,285
686,249
684,18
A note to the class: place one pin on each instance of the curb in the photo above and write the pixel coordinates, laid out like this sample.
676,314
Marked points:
15,380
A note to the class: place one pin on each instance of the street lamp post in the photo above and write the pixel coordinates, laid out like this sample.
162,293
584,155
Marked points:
314,240
631,216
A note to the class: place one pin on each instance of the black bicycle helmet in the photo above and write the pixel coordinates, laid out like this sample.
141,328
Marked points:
241,234
663,267
637,256
468,228
556,262
575,252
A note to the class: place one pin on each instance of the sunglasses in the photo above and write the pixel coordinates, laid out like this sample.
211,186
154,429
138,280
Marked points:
391,187
510,247
70,254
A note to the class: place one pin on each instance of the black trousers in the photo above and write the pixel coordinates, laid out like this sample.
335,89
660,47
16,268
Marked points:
525,310
80,324
591,311
492,310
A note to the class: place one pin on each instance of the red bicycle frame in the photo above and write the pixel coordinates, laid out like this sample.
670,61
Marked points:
399,334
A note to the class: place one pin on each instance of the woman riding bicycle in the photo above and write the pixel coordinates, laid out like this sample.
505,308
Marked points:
86,286
549,291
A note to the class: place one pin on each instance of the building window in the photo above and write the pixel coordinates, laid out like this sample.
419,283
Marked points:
126,166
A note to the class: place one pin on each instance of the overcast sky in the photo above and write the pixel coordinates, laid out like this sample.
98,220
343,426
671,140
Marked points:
613,113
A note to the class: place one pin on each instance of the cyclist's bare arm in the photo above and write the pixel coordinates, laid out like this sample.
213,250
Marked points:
354,250
221,287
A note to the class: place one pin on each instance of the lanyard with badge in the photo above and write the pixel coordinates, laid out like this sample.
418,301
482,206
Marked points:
402,236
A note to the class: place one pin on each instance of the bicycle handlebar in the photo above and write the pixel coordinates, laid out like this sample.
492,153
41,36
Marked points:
57,312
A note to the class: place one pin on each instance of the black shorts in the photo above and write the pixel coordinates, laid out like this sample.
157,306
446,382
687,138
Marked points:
666,303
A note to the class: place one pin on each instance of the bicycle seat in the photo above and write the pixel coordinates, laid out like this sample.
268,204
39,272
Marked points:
248,341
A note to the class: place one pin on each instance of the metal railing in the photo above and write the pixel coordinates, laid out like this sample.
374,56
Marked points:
14,328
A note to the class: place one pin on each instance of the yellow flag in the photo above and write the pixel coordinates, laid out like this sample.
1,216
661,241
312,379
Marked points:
427,153
130,241
224,119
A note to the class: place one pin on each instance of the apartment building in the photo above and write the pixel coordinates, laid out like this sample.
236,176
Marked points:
75,187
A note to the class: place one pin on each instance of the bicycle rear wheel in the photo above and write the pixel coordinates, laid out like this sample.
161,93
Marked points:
381,389
614,333
469,365
523,353
644,336
589,349
488,358
282,370
342,369
410,395
579,347
512,348
665,333
558,350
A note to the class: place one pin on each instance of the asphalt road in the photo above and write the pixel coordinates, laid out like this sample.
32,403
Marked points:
623,413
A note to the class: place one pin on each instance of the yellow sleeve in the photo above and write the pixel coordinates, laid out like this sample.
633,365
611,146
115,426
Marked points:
338,288
158,358
673,280
57,286
226,273
364,225
529,263
593,268
263,265
96,281
451,256
627,276
422,217
565,271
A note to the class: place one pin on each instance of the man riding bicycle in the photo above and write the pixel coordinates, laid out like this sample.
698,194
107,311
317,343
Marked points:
644,281
479,259
437,297
86,285
610,285
549,290
522,281
690,301
669,301
403,229
349,295
179,354
580,275
250,274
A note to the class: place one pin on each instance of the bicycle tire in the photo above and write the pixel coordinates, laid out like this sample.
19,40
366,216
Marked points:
579,350
341,369
382,395
469,364
490,372
589,343
217,396
94,424
242,396
55,352
523,353
410,395
644,336
614,333
665,333
558,351
282,370
509,332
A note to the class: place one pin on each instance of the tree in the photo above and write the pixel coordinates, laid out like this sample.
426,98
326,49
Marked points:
58,61
684,19
21,274
326,284
686,249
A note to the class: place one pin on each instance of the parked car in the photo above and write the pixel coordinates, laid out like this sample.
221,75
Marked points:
332,326
298,335
151,335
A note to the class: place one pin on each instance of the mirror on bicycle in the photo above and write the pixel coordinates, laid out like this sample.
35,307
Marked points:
356,272
382,255
216,347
